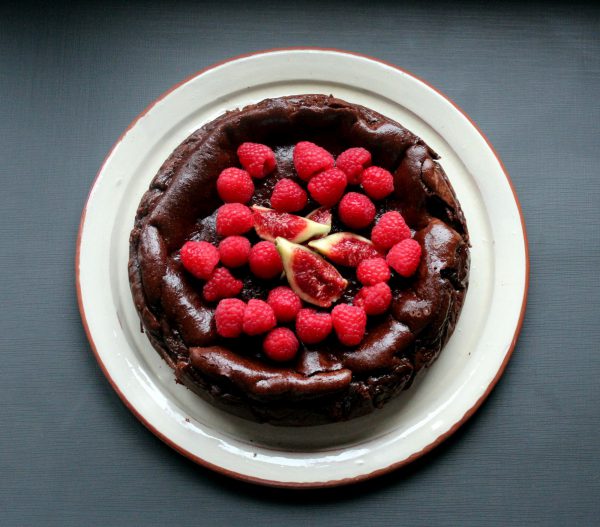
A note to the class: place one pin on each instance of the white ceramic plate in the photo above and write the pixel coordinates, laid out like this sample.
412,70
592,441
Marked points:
326,455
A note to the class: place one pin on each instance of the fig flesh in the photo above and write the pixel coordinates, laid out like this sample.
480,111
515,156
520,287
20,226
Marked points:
321,215
270,224
346,248
310,276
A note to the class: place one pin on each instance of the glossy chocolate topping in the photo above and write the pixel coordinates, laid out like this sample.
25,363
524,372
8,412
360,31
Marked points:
327,382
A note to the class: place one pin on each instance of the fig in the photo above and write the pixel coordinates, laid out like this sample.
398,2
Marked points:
270,224
346,248
321,215
312,278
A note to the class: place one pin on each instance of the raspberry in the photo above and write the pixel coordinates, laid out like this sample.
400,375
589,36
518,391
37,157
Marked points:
350,323
199,258
265,261
280,344
377,182
234,218
372,271
356,210
328,187
404,257
235,186
313,326
229,317
390,229
234,251
310,159
288,196
285,303
258,317
257,159
222,284
352,162
375,299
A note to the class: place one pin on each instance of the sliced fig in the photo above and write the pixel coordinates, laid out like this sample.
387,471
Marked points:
270,224
312,278
345,248
321,215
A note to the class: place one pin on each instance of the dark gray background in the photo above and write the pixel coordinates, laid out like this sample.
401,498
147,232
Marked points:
73,78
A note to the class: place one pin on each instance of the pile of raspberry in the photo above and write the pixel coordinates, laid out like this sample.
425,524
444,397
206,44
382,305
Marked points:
282,317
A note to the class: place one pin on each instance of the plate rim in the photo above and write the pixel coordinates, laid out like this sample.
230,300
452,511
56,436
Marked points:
291,484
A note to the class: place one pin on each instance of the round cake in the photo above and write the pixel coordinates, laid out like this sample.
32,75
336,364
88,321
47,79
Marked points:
300,260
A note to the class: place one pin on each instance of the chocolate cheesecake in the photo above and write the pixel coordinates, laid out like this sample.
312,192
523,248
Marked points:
326,381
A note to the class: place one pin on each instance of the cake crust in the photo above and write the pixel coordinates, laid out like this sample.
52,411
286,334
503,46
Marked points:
327,382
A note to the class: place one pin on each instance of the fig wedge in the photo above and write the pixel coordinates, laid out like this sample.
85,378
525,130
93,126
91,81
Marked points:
321,215
311,277
346,248
270,224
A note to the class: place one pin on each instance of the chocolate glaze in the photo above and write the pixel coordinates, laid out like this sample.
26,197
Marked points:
327,382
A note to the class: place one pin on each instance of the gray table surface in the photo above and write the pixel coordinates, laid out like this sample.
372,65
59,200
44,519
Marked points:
72,79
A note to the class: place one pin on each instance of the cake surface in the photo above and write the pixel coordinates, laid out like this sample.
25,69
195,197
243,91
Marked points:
325,382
